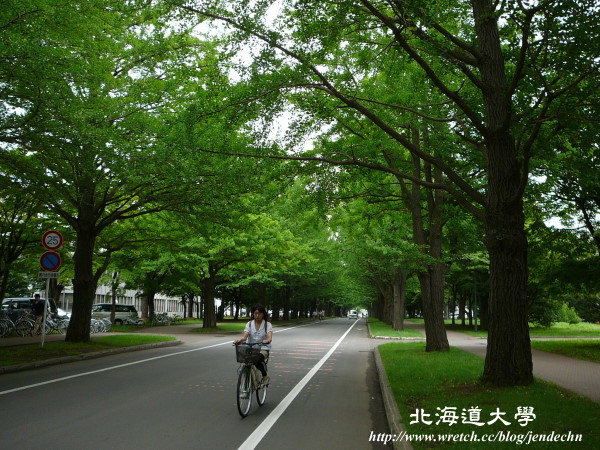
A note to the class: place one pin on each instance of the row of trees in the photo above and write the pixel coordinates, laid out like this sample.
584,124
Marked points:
467,100
148,133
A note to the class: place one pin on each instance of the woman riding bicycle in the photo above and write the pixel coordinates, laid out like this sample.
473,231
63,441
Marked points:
259,330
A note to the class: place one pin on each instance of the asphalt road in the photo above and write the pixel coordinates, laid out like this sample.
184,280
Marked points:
324,394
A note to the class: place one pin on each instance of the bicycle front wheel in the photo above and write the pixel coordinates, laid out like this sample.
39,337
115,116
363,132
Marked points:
244,392
261,394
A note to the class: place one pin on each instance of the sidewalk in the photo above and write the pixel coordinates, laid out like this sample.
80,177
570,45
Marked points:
581,377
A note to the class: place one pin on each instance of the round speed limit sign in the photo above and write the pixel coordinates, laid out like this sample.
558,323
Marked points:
52,240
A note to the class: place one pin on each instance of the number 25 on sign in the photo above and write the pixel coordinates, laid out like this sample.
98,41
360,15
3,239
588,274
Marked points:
52,240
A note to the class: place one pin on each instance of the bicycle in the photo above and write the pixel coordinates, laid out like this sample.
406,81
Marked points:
100,325
25,324
56,323
6,325
249,378
161,319
133,319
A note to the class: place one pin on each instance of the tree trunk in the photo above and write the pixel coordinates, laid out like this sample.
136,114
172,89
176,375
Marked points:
151,306
453,307
432,292
378,306
462,308
508,361
84,287
432,279
276,305
286,303
471,312
190,305
113,291
388,303
208,295
4,276
144,308
55,291
399,289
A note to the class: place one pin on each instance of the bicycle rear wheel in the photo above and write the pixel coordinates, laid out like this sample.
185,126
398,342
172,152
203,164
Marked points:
244,392
261,394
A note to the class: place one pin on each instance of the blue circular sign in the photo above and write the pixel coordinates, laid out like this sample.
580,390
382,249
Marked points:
50,261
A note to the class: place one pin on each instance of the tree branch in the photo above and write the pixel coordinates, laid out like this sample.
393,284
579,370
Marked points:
373,166
326,85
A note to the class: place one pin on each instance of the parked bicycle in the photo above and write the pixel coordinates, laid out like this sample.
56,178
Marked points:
56,323
25,324
133,319
249,378
161,319
7,326
100,325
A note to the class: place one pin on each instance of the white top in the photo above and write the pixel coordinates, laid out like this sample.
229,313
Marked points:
260,334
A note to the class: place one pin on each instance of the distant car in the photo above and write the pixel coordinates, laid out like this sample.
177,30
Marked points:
353,314
122,312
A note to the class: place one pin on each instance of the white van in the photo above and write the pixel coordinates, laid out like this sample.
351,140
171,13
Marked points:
122,312
353,314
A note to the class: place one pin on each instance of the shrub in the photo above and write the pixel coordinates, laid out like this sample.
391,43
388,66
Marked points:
567,314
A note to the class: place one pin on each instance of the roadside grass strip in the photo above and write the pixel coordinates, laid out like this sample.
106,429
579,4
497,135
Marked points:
566,329
584,349
34,352
558,329
381,329
444,387
223,327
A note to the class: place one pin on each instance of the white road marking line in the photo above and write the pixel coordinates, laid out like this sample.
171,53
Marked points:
56,380
259,433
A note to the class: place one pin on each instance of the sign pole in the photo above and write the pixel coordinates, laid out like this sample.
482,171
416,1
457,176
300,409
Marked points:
50,262
46,304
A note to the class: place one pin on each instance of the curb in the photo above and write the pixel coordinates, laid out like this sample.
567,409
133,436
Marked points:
394,418
389,338
389,402
84,356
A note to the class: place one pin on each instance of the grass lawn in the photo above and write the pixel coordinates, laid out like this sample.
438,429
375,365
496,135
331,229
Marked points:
565,329
557,329
34,352
585,349
446,386
379,328
223,326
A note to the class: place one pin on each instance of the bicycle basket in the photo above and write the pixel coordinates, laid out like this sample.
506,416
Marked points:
247,354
